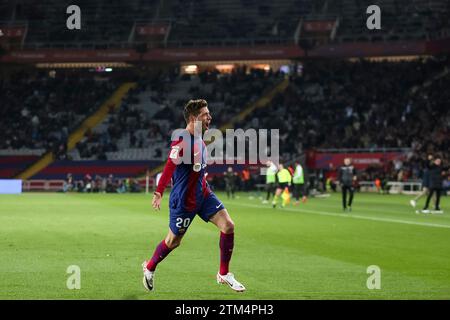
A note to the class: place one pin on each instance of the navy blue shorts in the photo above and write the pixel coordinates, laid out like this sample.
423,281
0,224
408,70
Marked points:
180,219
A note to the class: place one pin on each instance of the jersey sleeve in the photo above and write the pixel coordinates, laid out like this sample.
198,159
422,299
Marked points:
175,153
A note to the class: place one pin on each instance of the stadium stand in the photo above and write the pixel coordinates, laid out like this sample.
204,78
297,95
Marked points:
402,19
367,106
328,105
12,165
142,127
348,98
104,22
108,24
39,111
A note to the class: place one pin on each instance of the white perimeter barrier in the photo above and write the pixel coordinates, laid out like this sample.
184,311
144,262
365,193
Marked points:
43,185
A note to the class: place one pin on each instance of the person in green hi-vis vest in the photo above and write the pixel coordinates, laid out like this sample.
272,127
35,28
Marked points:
271,179
298,180
284,182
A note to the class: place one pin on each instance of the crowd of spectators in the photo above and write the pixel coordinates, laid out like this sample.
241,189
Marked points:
358,105
97,143
366,105
227,94
99,184
40,109
329,105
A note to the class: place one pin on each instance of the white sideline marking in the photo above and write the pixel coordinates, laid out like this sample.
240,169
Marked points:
384,211
350,215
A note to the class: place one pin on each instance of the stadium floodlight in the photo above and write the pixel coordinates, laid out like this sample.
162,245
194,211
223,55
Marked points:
191,69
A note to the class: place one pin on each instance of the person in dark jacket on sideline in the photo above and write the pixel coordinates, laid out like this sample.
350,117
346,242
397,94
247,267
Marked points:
436,178
347,179
425,182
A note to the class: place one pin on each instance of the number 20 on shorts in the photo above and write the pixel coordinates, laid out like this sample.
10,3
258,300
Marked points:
184,222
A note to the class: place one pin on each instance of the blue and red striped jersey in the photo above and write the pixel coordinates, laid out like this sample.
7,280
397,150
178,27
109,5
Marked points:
186,166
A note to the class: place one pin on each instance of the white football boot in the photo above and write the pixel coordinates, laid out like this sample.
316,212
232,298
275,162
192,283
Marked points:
149,277
230,281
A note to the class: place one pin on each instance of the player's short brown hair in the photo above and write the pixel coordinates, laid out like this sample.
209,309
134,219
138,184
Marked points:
193,107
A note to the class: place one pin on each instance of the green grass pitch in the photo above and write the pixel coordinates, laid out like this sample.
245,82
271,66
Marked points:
313,251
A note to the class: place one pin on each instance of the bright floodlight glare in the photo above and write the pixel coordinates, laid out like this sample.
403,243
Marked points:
191,68
285,69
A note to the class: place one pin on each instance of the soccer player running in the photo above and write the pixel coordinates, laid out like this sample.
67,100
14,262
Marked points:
191,195
284,182
271,179
347,175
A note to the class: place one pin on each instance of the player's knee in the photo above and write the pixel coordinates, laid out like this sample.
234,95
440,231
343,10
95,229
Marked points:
173,243
228,227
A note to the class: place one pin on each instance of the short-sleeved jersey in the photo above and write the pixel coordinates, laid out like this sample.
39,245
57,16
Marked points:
186,166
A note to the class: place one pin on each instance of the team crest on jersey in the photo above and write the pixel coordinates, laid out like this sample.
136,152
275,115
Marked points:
197,167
